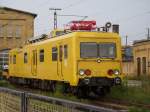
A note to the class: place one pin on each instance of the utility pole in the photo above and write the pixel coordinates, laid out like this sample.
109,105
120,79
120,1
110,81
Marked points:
148,36
126,39
127,65
55,16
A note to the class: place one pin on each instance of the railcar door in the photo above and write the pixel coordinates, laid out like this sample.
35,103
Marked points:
34,62
60,59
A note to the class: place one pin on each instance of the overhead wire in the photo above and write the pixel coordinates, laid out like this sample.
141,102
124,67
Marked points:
43,4
132,17
74,4
83,17
138,34
8,3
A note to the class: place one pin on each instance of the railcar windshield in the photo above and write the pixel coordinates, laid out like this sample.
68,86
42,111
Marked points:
88,50
107,50
97,50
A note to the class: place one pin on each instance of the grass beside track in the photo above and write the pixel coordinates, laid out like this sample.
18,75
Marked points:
133,95
130,94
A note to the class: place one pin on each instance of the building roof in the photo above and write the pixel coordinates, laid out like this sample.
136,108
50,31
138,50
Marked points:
141,41
12,9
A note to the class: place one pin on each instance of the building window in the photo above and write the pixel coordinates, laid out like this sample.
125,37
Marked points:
25,58
4,57
65,51
18,31
1,31
144,65
42,55
148,63
10,59
138,66
9,30
54,54
14,59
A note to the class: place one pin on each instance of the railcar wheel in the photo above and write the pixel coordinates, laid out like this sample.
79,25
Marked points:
53,86
105,90
66,88
83,92
80,93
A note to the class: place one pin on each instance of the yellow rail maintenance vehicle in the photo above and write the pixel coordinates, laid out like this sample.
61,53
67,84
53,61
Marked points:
84,59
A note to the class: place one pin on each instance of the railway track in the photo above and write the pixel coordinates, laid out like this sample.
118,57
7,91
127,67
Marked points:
127,103
118,105
114,107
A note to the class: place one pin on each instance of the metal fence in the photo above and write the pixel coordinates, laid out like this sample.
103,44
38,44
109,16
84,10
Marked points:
16,101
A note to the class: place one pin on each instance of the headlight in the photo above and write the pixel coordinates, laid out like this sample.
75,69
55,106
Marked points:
81,72
116,72
86,81
117,81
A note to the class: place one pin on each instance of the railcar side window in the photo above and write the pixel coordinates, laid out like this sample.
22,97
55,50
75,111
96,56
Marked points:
25,58
54,54
14,59
59,33
88,50
60,53
107,50
65,51
42,55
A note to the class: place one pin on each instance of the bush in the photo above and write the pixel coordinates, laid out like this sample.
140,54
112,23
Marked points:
132,94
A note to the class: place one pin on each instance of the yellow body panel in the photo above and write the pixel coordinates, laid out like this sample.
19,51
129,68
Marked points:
67,69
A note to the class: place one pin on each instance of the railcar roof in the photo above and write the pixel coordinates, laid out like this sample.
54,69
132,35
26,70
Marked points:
69,35
79,34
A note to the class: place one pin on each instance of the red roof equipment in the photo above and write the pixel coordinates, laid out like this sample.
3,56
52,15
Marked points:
82,25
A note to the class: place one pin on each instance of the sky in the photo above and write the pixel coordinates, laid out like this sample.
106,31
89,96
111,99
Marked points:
133,16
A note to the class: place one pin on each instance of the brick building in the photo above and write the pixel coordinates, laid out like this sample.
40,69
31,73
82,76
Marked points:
15,27
141,50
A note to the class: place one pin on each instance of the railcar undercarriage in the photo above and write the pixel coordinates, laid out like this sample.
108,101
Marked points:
83,90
